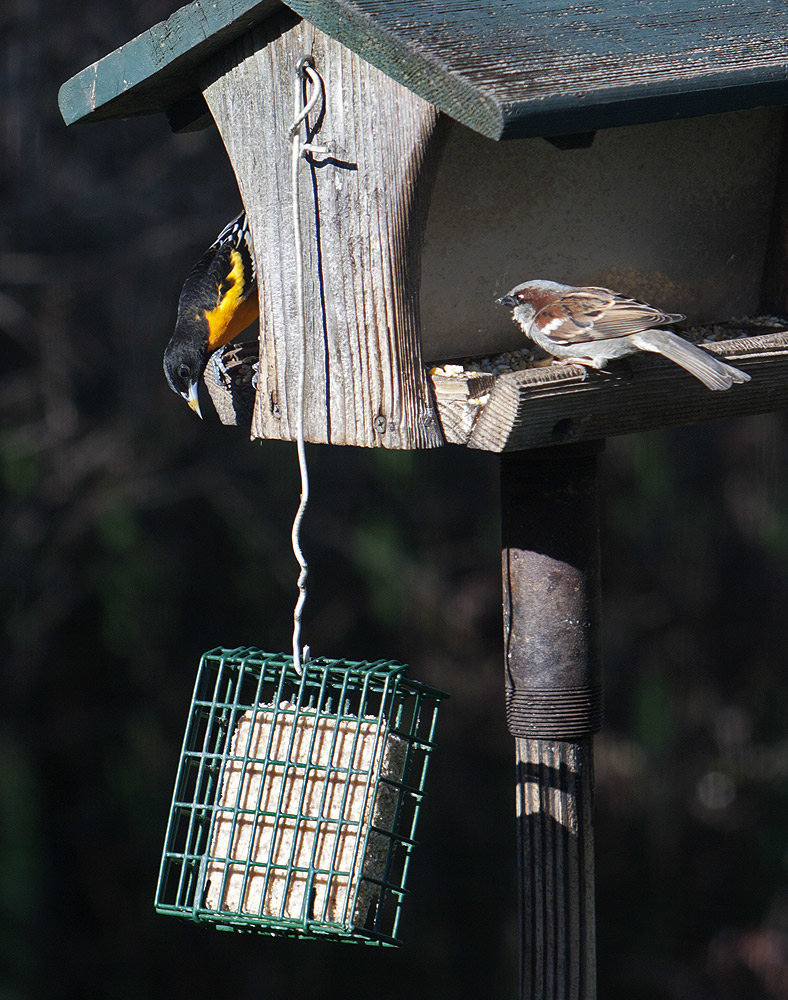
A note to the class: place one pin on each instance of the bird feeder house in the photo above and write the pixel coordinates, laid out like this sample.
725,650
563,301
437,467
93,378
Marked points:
462,148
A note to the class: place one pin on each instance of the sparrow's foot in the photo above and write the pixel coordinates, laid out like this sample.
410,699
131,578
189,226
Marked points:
584,363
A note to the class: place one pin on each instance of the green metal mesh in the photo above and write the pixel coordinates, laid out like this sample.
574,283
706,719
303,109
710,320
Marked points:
296,799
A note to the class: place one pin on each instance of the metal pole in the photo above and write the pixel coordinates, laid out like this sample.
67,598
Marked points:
551,591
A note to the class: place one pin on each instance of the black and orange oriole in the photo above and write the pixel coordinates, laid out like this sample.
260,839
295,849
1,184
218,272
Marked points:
218,301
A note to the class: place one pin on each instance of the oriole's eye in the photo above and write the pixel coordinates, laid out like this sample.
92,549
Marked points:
184,372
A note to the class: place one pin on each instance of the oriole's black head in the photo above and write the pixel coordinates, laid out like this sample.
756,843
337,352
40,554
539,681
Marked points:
185,359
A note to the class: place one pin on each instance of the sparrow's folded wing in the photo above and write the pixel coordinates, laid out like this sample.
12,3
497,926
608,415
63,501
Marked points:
598,314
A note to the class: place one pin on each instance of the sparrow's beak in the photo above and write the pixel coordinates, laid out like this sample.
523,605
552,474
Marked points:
192,400
506,300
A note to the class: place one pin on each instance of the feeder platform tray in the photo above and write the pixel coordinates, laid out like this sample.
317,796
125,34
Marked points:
509,402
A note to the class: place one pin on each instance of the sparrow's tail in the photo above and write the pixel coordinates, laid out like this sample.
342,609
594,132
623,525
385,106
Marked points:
713,373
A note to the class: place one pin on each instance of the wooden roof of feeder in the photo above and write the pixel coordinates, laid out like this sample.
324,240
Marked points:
395,74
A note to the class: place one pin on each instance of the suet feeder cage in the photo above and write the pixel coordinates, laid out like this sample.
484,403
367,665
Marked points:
297,796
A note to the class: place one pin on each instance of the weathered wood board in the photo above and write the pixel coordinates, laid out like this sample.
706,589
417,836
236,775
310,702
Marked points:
363,208
362,214
557,404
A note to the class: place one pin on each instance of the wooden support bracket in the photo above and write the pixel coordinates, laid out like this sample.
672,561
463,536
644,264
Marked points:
363,209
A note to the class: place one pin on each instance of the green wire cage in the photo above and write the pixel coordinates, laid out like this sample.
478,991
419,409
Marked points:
297,796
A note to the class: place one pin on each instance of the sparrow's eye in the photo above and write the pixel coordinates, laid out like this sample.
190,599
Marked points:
184,372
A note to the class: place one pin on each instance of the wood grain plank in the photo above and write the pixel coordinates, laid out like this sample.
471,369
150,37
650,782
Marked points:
460,401
555,852
362,216
558,404
523,69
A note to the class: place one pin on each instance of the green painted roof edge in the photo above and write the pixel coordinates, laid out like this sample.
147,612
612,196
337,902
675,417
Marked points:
159,66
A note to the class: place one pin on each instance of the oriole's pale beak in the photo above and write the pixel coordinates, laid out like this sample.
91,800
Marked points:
192,400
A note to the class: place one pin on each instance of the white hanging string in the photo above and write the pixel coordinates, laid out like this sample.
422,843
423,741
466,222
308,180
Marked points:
304,104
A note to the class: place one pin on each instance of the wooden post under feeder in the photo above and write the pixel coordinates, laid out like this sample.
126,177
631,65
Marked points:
418,218
553,687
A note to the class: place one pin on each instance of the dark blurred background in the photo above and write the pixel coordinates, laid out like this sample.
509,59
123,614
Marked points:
135,537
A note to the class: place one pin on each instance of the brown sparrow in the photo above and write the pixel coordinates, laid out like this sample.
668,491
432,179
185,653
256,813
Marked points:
589,326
